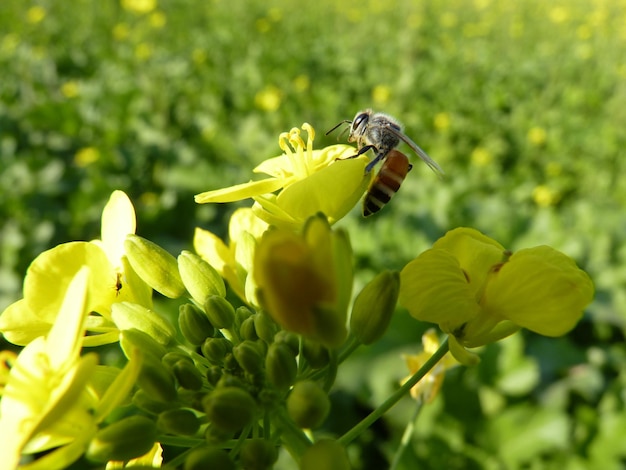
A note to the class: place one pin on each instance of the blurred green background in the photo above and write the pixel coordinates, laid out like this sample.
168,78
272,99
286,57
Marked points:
522,103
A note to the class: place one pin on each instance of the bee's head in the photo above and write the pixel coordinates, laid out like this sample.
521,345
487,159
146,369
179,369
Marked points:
359,125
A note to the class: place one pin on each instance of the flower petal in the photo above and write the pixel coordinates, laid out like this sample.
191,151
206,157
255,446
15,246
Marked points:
476,253
540,289
240,191
118,220
433,288
334,191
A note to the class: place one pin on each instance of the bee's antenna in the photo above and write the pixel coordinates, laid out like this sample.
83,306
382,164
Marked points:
345,121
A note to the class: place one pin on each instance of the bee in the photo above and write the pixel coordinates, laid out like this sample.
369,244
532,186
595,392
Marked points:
382,133
387,182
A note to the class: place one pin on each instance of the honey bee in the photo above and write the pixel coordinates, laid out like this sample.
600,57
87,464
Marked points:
382,134
387,182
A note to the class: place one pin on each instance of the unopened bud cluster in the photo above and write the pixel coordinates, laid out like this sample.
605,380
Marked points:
222,370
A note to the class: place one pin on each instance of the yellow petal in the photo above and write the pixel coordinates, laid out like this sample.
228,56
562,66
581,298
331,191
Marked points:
334,191
240,191
477,254
433,288
19,325
118,220
540,289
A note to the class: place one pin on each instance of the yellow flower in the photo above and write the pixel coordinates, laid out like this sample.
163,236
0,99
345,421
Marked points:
53,397
139,6
233,261
312,181
86,156
442,121
479,293
545,196
381,94
111,280
158,19
305,280
35,14
537,136
481,156
269,98
70,89
427,389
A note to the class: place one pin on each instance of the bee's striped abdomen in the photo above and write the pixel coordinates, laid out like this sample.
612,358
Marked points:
387,182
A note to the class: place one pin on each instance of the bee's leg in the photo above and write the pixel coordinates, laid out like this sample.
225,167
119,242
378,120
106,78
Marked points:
361,151
373,163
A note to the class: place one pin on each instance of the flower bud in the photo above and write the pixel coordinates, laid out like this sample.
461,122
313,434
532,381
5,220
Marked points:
290,339
209,457
156,381
242,313
229,409
133,338
307,404
154,265
249,356
280,366
247,329
327,454
188,376
220,312
173,357
213,374
144,402
123,440
258,454
265,327
316,355
194,324
179,422
374,306
215,349
127,315
199,277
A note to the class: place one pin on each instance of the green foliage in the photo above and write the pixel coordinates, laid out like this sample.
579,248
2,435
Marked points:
521,103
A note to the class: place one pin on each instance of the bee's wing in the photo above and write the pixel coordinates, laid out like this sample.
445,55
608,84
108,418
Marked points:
423,155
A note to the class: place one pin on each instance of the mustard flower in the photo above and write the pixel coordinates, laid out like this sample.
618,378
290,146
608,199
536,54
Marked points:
427,389
478,292
112,280
50,401
311,181
305,281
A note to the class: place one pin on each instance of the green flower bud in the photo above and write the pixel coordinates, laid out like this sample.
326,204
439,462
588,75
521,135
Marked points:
144,402
179,422
134,338
327,454
290,339
316,355
209,457
249,356
154,265
155,380
229,409
247,329
215,349
127,316
188,375
258,454
173,357
374,306
307,404
242,313
213,374
265,327
123,440
280,366
194,324
220,312
200,278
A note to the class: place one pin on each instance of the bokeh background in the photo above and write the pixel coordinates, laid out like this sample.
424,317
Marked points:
522,103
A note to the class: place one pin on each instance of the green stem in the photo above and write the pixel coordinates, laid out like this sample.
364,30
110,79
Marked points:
406,437
395,397
293,438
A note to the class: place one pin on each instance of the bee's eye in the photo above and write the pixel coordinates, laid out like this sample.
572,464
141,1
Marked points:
360,120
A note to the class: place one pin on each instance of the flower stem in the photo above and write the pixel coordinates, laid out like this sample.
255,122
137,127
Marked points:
406,437
395,397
